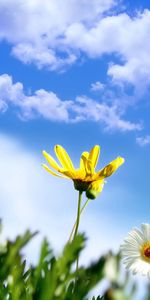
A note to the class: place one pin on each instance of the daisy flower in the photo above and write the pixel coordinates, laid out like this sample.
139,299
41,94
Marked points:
136,250
85,178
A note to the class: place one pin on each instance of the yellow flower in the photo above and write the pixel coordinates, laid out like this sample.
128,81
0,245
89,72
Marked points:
85,178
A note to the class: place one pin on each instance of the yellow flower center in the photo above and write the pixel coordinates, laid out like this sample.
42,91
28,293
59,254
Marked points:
145,251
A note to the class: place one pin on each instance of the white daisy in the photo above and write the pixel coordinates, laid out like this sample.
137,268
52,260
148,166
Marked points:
136,250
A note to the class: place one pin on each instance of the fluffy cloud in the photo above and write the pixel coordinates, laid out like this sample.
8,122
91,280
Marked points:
47,105
26,196
97,86
143,140
109,116
36,28
42,103
42,56
118,35
50,18
52,34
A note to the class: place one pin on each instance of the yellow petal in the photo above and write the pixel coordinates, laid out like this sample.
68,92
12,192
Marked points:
51,172
94,155
51,161
87,164
89,167
69,174
97,185
110,169
83,160
63,157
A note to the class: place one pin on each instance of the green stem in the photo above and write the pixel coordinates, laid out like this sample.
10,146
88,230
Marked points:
74,226
77,226
78,214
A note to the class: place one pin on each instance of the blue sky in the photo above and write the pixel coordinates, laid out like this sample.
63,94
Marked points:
75,75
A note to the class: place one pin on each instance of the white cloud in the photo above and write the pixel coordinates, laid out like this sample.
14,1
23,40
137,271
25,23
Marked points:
118,35
42,103
97,86
52,34
28,195
46,104
41,56
109,116
36,28
9,91
49,18
143,140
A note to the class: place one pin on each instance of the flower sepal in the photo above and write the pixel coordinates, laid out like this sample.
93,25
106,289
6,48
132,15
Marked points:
94,189
80,185
91,194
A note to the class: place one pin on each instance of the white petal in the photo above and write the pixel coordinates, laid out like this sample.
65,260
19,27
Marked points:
146,231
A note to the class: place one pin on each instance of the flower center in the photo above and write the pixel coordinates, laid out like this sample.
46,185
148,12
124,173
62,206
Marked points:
145,251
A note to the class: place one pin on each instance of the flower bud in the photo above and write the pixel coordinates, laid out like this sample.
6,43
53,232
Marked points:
94,189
